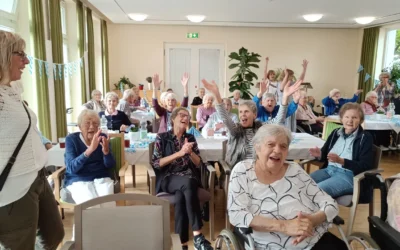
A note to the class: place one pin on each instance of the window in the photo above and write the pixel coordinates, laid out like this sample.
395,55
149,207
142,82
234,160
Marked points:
5,28
392,48
8,18
8,6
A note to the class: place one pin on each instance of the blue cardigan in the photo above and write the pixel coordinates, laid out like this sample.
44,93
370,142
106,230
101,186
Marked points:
330,104
82,168
263,114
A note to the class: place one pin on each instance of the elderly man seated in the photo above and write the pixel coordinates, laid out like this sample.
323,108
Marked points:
88,160
278,199
267,108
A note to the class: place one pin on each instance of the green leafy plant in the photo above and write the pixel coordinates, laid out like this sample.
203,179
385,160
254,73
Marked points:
242,80
133,128
122,82
394,71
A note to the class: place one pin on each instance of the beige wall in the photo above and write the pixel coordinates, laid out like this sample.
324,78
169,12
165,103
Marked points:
334,54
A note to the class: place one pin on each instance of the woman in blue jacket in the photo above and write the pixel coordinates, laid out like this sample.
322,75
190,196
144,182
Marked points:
333,102
346,153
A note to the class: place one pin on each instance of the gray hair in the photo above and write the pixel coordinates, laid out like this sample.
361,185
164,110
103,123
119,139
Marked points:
250,104
206,97
237,91
170,96
95,92
88,113
269,130
384,74
128,93
369,94
268,95
227,100
9,43
111,95
333,92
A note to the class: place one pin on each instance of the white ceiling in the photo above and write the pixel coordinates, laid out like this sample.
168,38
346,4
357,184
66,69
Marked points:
252,13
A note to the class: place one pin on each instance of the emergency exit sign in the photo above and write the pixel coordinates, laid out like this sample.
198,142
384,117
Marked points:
192,35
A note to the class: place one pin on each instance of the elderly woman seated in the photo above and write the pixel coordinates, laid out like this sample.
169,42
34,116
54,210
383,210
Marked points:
96,103
215,122
278,199
306,118
240,146
198,100
170,103
236,98
204,112
370,106
334,102
127,104
346,153
116,120
88,159
176,161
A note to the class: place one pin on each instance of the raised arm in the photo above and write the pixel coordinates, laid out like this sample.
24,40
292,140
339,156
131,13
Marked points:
285,80
266,68
303,74
156,85
184,81
213,88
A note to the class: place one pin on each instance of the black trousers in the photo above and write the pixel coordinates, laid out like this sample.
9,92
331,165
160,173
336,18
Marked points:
381,137
329,241
187,204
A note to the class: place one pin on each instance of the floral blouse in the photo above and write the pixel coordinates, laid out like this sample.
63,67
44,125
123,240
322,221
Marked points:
179,166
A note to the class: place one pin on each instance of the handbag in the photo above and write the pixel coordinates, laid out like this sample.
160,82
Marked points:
11,161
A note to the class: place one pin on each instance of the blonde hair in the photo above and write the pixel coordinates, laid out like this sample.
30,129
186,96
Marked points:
282,75
9,43
111,95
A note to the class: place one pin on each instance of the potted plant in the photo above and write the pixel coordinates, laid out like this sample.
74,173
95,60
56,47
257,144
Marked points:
242,80
134,134
123,83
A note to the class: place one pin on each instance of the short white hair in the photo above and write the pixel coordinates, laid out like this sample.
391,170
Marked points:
128,93
162,96
269,130
369,94
206,97
333,92
88,113
111,95
268,95
237,91
96,91
170,96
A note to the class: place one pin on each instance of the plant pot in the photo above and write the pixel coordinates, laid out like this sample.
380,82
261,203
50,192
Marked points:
134,136
141,87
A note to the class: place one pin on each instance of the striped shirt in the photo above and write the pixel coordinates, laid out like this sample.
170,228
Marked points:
249,143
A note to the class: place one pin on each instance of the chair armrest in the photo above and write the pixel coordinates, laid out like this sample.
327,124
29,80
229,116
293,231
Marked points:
361,176
245,230
211,178
225,166
338,220
385,228
123,169
57,184
69,245
176,242
152,178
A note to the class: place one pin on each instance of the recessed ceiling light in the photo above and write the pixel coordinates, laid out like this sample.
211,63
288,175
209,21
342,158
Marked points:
138,17
364,20
312,17
196,18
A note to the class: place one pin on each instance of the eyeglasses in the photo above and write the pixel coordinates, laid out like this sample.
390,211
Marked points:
94,124
182,115
20,54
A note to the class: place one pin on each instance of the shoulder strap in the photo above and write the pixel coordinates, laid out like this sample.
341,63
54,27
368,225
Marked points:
11,161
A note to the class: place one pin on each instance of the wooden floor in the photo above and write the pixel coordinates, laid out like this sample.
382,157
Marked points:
390,163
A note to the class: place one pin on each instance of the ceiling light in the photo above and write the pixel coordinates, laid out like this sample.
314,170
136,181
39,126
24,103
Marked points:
364,20
312,17
196,18
138,17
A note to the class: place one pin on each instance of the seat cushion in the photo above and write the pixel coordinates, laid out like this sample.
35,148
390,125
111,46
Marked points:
345,200
203,195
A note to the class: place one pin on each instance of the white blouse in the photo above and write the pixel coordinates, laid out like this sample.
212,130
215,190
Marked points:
32,156
282,200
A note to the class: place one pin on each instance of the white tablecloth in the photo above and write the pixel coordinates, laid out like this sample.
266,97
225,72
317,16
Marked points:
378,122
138,114
210,150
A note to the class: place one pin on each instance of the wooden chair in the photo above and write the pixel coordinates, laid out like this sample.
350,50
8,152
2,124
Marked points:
130,227
193,111
206,194
351,201
122,167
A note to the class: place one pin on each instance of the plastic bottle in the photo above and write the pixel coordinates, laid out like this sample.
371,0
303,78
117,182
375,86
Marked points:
142,103
103,124
143,129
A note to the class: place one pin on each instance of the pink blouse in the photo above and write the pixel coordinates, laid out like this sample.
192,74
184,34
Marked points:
305,113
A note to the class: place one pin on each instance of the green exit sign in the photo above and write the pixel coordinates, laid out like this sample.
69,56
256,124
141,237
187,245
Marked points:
192,35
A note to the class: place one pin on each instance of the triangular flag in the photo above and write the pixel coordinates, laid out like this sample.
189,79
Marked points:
60,73
46,68
376,82
54,72
40,63
367,77
360,68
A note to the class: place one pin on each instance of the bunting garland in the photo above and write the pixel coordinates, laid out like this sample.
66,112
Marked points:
60,70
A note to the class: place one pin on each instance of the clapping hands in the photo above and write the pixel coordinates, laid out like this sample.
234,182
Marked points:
186,148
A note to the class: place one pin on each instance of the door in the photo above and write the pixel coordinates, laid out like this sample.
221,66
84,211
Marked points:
201,61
